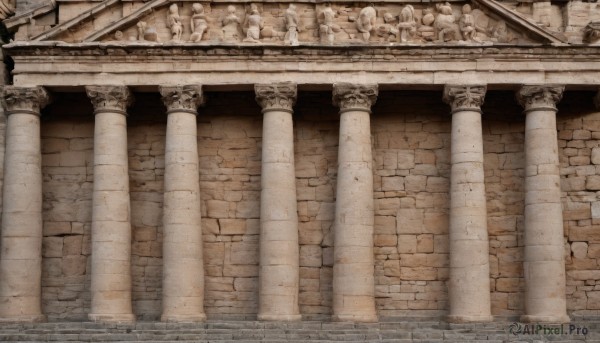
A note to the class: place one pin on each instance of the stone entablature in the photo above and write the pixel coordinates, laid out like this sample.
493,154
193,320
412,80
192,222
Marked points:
237,67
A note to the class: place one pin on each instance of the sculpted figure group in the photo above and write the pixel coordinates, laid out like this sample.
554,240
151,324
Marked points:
440,24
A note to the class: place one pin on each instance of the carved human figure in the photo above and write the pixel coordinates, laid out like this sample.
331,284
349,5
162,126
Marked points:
467,24
388,30
499,33
254,23
426,30
198,23
231,25
444,23
407,25
174,23
291,24
327,27
141,27
366,22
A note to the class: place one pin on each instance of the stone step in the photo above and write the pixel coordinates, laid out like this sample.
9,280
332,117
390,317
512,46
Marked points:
254,331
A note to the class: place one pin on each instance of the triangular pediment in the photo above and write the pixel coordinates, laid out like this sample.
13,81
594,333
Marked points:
337,23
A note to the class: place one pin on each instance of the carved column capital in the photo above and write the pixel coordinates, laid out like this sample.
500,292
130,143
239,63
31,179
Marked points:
276,97
24,99
351,97
182,98
464,97
540,97
110,98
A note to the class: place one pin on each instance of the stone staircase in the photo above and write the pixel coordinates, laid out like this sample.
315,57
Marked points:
398,331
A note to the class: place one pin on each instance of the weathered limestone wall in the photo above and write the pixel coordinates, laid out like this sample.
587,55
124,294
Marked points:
579,149
411,151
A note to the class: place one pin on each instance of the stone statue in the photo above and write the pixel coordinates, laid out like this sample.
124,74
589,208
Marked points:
198,23
141,27
231,25
366,22
327,27
146,33
407,26
388,29
174,23
467,24
499,33
444,23
426,30
254,24
291,24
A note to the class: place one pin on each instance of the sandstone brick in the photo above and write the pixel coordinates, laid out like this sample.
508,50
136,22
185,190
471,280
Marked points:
232,226
52,247
425,243
217,209
74,265
419,273
145,234
579,249
385,240
394,183
311,256
72,245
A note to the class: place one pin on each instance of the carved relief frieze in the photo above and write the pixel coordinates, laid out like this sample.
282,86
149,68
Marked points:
328,23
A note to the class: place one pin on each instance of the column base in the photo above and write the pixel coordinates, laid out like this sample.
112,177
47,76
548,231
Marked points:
37,318
362,318
532,318
112,318
280,317
459,319
183,318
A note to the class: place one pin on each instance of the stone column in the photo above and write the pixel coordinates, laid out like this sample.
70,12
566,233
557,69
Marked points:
469,284
279,249
183,267
544,265
111,226
21,256
353,269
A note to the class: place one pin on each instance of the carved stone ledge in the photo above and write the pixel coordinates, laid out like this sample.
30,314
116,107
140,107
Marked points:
464,97
110,98
355,97
24,99
276,97
540,97
182,98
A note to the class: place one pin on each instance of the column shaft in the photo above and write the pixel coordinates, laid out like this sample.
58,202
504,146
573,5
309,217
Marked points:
279,249
353,270
21,255
469,284
111,226
183,267
544,265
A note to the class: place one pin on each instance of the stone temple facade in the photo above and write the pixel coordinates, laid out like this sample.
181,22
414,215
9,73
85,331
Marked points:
300,160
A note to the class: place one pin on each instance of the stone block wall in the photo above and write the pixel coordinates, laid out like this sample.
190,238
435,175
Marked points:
411,149
579,148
